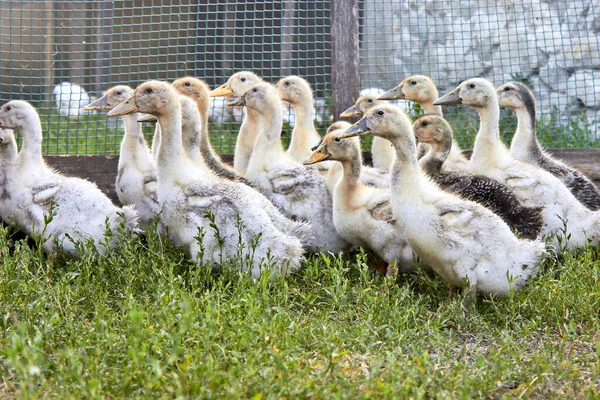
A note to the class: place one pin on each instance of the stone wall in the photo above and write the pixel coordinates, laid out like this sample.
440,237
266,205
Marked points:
553,46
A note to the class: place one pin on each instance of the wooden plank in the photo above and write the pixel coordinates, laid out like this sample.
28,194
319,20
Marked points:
344,54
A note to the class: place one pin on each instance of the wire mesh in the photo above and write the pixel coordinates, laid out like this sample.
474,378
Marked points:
61,54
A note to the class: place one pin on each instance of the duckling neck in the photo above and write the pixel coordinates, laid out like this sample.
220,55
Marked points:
171,158
524,144
192,138
205,147
488,145
32,142
405,173
304,135
133,138
352,169
433,160
431,109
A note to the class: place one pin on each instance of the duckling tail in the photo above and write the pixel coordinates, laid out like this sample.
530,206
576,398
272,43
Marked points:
529,222
130,216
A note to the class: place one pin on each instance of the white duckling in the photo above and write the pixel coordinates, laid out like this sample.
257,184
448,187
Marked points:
382,151
436,132
297,91
299,191
362,214
458,238
525,146
422,90
213,219
198,91
533,186
82,211
236,86
136,177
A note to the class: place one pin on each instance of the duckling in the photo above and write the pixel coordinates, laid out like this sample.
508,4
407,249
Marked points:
369,175
533,186
525,146
8,156
212,218
237,85
136,178
297,91
458,238
362,214
299,191
382,151
437,133
422,90
81,211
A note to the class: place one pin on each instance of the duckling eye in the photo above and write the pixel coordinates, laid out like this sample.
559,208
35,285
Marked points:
337,139
119,93
255,90
380,112
424,123
507,89
187,84
413,82
149,90
472,86
370,100
8,108
243,79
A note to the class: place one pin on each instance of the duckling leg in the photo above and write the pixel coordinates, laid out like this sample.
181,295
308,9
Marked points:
391,271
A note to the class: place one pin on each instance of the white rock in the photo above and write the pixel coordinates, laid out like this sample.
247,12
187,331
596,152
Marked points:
554,75
70,99
583,53
485,31
585,87
516,57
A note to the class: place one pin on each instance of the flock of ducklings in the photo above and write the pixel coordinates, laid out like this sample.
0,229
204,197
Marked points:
483,221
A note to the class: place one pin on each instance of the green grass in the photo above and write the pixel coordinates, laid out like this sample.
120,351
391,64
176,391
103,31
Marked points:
144,322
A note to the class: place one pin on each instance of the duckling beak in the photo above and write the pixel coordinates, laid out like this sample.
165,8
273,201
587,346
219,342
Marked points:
100,104
320,154
359,128
147,118
393,94
223,90
351,112
124,108
240,101
449,99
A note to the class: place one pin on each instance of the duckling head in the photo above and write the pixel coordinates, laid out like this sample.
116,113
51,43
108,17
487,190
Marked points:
261,97
152,97
338,125
515,95
294,90
334,148
17,114
476,93
386,121
435,131
237,84
195,89
362,105
419,88
6,137
112,97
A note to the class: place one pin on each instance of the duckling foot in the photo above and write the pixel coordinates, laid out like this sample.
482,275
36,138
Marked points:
391,270
381,267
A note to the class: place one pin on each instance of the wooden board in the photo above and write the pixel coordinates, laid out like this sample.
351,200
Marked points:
103,169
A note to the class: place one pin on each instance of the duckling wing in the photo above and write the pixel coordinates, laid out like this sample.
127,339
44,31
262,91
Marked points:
284,181
465,221
516,178
201,197
44,192
151,187
380,209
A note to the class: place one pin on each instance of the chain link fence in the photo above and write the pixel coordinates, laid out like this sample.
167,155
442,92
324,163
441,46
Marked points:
61,54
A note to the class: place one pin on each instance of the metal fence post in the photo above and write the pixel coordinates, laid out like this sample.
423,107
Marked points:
344,54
